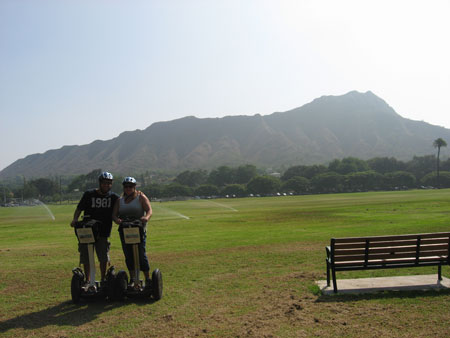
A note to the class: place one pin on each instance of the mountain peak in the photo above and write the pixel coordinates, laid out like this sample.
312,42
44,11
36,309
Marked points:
353,95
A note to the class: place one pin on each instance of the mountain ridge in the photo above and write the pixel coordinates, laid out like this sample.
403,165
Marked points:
354,124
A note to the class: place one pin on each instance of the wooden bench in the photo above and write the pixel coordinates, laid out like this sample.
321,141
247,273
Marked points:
385,252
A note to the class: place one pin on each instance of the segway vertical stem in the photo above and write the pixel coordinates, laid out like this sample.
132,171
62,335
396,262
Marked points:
132,238
137,267
90,248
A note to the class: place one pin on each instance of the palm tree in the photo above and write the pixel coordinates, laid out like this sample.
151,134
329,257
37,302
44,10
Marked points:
438,143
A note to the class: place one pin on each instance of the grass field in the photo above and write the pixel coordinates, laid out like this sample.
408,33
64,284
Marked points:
237,267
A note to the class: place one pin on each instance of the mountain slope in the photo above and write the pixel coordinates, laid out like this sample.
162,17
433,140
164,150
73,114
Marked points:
355,124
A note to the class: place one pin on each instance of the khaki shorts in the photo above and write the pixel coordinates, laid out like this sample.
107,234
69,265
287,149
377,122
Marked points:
101,247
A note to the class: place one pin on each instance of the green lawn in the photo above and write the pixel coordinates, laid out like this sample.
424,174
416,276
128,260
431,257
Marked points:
231,267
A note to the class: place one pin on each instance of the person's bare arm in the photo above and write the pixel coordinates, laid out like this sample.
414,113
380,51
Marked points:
145,202
115,214
76,215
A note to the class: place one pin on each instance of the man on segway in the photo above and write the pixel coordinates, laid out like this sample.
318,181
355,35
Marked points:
98,204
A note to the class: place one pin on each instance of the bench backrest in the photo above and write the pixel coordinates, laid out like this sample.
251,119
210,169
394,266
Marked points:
400,249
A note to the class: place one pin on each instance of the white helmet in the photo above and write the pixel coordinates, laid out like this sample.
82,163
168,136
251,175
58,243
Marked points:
105,176
129,179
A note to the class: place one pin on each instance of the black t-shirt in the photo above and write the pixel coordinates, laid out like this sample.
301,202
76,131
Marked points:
99,207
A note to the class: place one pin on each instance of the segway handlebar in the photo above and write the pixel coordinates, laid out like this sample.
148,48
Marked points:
131,223
87,222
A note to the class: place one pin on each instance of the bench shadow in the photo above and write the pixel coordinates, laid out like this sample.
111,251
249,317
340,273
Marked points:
67,314
352,297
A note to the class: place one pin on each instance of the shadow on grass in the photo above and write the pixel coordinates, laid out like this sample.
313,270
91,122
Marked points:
381,295
67,314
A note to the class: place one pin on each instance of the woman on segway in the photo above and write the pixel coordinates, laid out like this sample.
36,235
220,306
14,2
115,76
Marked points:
133,204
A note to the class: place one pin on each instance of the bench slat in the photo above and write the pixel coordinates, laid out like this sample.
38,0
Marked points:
411,254
361,251
386,266
443,241
391,238
411,262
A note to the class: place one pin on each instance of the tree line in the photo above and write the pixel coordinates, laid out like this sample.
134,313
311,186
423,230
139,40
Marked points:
340,175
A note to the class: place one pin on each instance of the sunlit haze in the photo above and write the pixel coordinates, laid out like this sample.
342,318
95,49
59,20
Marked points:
72,72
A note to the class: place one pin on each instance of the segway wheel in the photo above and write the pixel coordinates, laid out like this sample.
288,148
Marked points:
157,285
75,288
120,285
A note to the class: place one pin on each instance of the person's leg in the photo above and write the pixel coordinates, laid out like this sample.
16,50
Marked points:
143,260
103,266
128,254
84,259
87,272
102,247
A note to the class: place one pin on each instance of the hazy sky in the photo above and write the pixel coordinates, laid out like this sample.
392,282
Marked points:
72,72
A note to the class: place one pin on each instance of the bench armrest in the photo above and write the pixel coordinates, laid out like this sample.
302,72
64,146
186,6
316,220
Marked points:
328,249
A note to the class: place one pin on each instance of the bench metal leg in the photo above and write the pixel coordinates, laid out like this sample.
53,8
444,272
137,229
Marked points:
333,272
328,272
439,272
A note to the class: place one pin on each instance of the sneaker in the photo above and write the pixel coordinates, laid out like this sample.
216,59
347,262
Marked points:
134,285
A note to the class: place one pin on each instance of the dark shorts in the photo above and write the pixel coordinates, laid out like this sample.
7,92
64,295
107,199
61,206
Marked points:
101,247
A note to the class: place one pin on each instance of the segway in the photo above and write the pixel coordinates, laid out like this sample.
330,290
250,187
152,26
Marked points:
87,233
133,231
